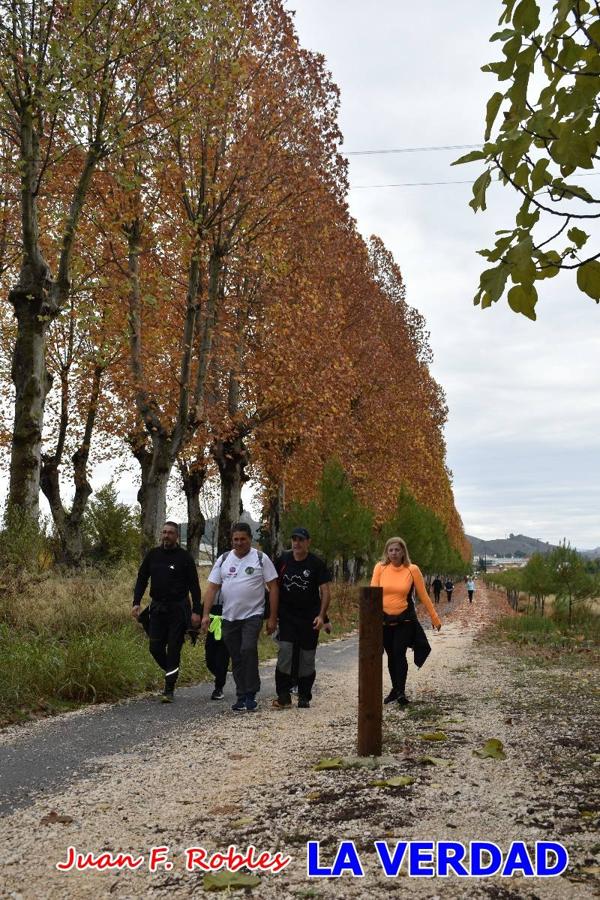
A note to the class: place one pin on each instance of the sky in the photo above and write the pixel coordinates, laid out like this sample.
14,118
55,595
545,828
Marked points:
523,441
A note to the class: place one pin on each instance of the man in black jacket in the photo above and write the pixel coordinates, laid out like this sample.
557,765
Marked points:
173,577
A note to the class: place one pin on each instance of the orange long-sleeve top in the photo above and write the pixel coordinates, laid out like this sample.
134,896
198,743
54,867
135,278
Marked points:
396,582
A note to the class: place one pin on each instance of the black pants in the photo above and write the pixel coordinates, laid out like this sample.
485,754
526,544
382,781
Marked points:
396,640
296,658
449,595
436,595
217,659
470,593
168,624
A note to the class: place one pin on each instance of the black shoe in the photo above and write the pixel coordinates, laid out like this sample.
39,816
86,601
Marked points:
217,694
239,705
167,696
403,700
393,695
303,703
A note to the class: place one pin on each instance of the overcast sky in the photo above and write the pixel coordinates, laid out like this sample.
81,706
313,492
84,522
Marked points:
523,437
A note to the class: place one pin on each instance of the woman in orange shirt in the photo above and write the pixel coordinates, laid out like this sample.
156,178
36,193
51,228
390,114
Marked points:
399,579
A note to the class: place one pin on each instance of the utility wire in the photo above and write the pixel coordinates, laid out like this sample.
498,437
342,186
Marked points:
414,149
358,187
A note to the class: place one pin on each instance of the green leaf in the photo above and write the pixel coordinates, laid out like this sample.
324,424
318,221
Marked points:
227,881
493,281
519,259
479,188
588,279
355,762
548,264
578,237
434,736
469,157
526,16
335,762
492,749
398,781
572,149
540,175
493,105
569,191
434,761
522,299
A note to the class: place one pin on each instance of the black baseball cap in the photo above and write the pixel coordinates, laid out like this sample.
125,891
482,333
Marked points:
301,533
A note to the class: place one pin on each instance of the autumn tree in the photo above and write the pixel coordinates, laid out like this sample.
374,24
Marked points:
542,133
229,162
65,95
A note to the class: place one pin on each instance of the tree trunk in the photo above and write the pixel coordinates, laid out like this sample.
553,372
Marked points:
193,478
156,468
275,506
231,458
32,382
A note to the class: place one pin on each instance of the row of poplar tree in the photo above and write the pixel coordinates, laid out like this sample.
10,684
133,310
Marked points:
186,290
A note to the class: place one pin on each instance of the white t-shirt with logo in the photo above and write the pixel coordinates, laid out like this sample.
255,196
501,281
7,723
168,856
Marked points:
242,583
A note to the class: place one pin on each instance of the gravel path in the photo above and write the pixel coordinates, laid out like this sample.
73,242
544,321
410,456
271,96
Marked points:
242,779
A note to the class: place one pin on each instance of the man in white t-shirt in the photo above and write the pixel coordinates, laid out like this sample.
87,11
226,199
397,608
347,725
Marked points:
241,575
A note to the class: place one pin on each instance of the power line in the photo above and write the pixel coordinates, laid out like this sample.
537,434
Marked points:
358,187
414,149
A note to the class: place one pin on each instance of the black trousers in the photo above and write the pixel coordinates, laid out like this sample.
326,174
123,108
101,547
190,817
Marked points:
168,624
470,593
296,658
217,659
449,595
396,640
436,595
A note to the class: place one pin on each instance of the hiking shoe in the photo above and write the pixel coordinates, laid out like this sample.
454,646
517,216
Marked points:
251,704
393,695
282,702
403,700
167,696
217,694
303,703
294,689
239,705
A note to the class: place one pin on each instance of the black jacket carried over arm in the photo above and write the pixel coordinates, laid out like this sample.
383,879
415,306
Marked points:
172,574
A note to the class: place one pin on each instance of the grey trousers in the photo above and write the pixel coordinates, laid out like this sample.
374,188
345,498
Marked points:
241,637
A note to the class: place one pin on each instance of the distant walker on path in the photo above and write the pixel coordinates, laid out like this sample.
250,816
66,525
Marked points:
449,586
470,588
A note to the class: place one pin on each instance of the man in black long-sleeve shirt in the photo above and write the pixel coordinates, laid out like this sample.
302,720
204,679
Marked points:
173,576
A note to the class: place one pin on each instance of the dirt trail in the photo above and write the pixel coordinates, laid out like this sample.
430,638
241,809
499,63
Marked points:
249,779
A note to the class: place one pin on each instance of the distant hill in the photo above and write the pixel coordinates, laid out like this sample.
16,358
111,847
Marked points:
515,543
591,554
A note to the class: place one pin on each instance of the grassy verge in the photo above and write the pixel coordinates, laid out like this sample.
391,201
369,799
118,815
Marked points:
69,641
553,631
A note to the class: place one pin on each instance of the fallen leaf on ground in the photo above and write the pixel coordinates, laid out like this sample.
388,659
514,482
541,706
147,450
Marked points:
492,749
53,818
227,881
434,736
398,781
355,762
239,823
434,761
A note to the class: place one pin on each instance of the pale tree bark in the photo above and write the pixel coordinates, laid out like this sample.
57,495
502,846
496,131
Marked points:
69,522
231,458
192,479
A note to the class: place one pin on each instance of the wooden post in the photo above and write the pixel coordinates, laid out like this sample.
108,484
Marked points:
370,648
